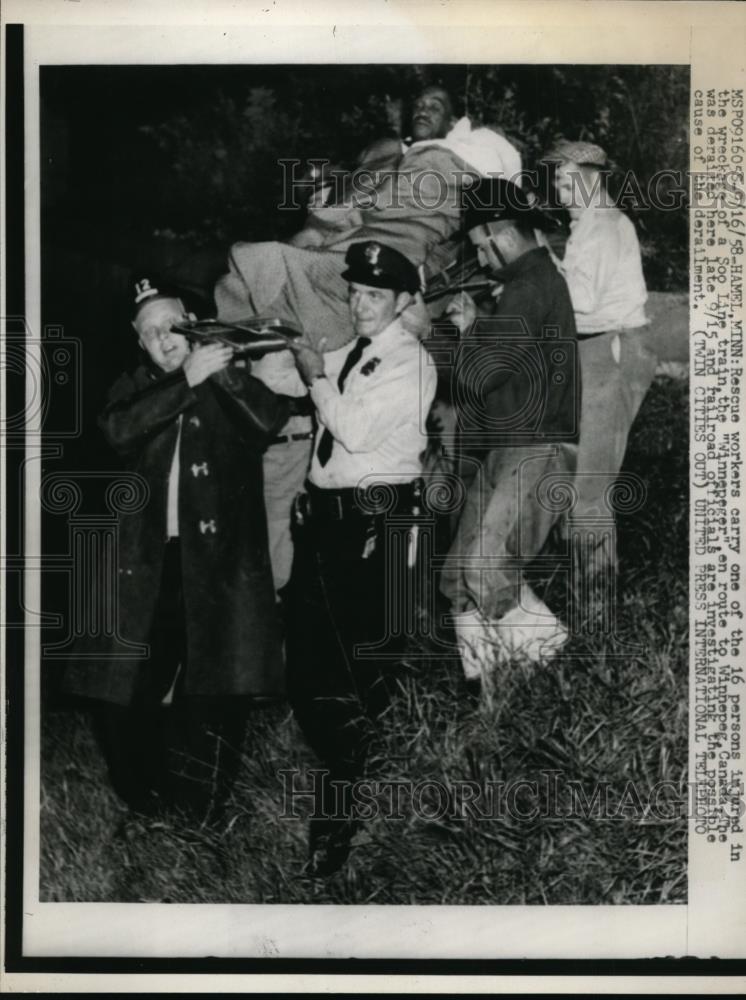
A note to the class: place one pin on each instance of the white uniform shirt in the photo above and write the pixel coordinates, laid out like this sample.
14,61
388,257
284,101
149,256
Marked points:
378,422
603,270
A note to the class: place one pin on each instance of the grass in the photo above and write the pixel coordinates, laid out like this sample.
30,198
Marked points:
604,715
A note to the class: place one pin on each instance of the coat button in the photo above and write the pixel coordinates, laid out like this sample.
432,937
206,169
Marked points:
198,470
195,422
205,526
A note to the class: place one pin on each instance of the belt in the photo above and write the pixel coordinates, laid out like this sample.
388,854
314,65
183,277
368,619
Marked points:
601,333
590,336
336,505
305,436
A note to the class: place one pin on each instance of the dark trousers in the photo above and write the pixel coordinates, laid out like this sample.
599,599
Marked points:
344,595
184,754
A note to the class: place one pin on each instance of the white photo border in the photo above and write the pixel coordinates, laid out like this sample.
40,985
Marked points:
571,33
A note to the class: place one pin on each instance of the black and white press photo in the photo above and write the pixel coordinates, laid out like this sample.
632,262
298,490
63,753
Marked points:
377,550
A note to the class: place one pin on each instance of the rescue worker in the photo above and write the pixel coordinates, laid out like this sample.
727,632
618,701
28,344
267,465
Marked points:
602,266
348,588
194,588
517,401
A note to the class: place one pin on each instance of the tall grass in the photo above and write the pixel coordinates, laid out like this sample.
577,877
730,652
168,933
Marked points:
611,713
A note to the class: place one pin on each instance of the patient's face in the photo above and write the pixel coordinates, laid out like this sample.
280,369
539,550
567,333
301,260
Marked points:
431,115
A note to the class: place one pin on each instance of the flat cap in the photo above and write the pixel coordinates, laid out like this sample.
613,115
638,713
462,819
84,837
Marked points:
379,266
582,153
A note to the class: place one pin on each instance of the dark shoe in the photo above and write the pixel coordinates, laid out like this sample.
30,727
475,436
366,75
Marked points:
474,688
327,858
329,850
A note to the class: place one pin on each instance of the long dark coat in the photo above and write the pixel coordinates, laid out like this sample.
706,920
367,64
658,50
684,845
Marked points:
232,634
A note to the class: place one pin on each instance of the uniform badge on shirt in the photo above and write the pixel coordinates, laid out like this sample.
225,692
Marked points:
371,540
370,366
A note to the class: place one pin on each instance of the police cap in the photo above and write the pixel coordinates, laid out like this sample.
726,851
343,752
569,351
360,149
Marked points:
379,266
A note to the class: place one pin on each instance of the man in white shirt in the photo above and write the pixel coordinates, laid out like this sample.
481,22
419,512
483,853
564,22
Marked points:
603,269
372,399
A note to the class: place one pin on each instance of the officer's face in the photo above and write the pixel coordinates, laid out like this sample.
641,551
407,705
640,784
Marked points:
153,325
373,309
431,115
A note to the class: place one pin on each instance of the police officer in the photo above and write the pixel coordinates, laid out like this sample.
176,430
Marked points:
372,399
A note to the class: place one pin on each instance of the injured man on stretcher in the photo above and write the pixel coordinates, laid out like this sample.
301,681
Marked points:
407,197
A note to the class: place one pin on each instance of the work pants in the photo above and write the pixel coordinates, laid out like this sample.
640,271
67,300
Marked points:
348,602
515,496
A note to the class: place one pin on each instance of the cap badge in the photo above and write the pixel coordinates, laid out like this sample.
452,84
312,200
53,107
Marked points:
372,253
143,290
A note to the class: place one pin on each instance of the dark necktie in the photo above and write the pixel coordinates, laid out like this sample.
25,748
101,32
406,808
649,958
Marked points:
326,442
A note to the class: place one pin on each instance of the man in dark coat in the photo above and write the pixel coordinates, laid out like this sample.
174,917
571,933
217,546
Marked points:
194,586
517,393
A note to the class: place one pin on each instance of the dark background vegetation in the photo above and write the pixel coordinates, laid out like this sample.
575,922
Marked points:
191,153
162,168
